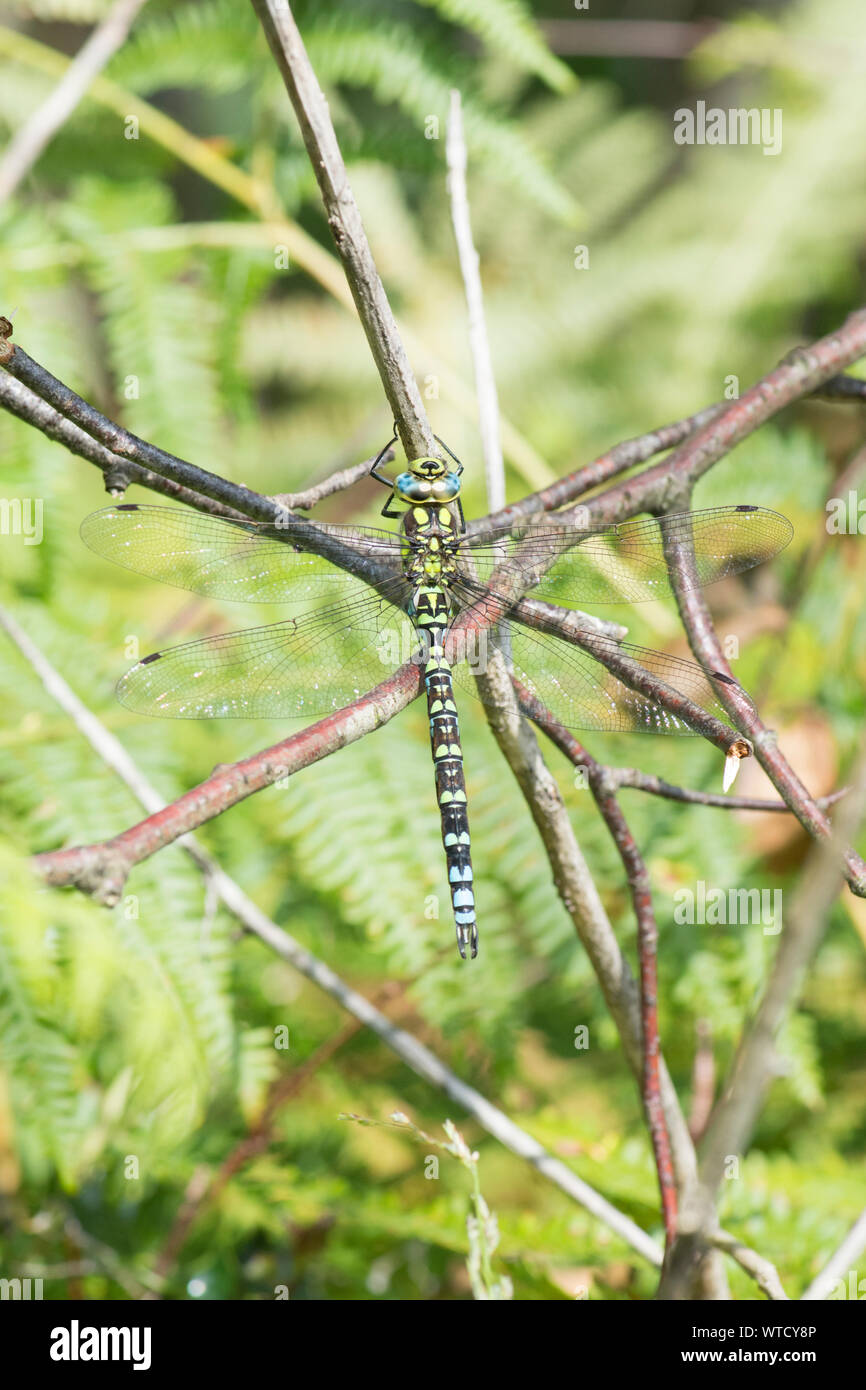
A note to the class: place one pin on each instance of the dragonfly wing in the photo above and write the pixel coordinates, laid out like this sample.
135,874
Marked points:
301,668
626,563
224,559
581,693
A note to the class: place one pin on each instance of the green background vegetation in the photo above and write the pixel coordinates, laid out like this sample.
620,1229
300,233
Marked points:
149,1030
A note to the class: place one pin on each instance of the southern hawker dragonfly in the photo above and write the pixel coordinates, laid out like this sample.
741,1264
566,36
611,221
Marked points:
369,599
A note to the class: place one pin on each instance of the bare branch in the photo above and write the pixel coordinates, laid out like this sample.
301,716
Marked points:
703,438
579,894
840,1262
764,1273
632,777
20,401
101,869
708,650
337,482
639,890
31,138
346,226
122,442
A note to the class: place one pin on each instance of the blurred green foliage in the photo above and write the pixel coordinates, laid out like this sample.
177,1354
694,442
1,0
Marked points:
148,1032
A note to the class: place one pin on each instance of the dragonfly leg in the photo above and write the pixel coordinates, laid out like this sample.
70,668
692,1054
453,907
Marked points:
378,459
450,454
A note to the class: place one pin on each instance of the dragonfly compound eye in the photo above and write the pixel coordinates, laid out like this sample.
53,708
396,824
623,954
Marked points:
412,488
444,489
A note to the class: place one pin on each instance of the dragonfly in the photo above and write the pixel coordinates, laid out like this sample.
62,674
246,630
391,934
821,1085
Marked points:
366,599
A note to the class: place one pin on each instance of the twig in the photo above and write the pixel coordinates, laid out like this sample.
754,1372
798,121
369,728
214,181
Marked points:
337,482
101,869
124,443
802,374
764,1273
631,777
20,401
485,381
579,895
633,667
840,1262
707,649
647,932
31,138
346,227
627,454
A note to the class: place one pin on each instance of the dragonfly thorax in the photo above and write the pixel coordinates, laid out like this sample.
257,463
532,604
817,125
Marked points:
427,480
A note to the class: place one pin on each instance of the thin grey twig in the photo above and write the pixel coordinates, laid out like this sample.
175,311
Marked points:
337,482
31,138
485,381
514,736
347,229
764,1273
633,778
840,1262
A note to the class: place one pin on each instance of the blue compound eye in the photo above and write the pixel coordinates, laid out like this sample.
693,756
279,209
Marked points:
413,489
446,488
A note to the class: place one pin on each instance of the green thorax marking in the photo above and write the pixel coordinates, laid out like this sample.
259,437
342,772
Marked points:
430,536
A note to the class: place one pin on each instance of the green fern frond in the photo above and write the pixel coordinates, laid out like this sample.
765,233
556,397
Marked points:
160,323
384,59
208,46
507,27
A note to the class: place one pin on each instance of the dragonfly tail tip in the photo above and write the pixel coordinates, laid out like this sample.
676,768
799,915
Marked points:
468,936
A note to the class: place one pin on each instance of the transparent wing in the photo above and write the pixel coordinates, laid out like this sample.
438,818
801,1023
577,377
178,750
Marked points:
626,563
581,693
301,668
224,559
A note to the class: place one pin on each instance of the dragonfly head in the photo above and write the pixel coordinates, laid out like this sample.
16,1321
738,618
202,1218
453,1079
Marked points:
427,480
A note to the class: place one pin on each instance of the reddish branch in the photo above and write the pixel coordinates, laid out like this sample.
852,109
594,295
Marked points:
705,644
807,371
101,869
603,792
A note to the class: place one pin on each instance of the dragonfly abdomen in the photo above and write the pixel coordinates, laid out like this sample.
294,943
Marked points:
451,790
